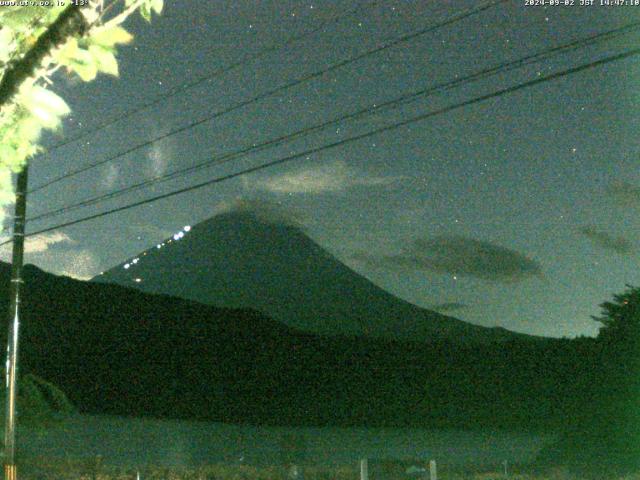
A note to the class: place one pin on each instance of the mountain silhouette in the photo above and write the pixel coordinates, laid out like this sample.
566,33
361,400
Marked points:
116,350
240,259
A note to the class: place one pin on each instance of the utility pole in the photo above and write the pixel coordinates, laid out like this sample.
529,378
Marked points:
71,22
10,470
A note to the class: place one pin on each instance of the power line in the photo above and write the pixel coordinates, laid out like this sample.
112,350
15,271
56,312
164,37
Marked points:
210,76
376,108
450,20
354,138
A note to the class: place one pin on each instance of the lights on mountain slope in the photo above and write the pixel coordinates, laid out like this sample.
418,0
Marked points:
176,236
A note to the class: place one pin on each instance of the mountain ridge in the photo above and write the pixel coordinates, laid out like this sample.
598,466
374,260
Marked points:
240,260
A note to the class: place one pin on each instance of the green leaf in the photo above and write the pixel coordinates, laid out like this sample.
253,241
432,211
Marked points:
105,59
67,52
80,60
49,101
42,105
145,11
6,43
108,37
86,72
45,117
85,65
20,17
27,131
6,186
8,154
156,6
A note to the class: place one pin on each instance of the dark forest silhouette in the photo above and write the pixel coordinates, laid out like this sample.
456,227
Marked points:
605,430
115,350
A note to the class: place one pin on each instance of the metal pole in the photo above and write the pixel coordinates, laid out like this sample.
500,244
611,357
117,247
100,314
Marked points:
364,469
433,470
10,471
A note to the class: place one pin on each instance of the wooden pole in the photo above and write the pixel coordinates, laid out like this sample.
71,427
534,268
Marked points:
70,22
364,469
15,300
433,471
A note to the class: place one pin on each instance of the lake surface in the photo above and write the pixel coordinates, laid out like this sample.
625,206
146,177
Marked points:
139,442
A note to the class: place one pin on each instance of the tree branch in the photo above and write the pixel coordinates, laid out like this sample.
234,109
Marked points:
70,22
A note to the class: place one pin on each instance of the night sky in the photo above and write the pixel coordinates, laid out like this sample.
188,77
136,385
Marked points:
519,211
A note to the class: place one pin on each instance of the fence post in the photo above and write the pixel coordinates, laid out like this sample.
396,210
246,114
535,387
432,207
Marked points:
433,472
96,467
364,469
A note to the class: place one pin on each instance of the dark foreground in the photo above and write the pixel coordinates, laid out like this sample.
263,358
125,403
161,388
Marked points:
41,468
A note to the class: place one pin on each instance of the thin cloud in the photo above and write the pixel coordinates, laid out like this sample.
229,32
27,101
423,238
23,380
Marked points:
81,265
323,178
458,255
111,176
264,210
159,155
37,243
158,159
58,253
606,241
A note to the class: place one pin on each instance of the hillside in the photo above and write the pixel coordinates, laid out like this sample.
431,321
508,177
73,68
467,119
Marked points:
120,351
242,260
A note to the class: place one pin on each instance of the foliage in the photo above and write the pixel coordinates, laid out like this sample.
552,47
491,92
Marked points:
39,402
36,107
620,321
606,432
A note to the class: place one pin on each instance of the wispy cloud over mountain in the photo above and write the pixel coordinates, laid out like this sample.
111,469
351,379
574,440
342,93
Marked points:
58,253
458,255
605,240
324,178
37,243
